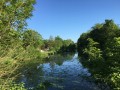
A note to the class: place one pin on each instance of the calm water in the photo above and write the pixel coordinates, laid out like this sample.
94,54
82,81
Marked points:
59,72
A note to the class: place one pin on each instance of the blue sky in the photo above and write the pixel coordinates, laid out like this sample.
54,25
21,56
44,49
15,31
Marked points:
70,18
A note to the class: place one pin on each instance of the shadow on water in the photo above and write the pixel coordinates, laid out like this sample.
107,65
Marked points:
58,72
30,75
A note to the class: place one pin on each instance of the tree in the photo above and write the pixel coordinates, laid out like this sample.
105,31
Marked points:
54,44
68,46
91,51
32,38
58,43
103,32
13,15
15,12
67,42
100,51
82,43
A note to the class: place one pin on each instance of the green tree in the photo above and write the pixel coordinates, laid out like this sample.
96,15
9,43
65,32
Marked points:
13,15
58,43
100,50
68,46
82,43
50,43
32,38
91,51
67,42
103,32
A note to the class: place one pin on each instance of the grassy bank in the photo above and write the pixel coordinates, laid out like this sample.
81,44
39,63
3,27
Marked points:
14,61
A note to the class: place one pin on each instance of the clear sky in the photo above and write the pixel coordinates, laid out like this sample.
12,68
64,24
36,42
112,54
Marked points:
70,18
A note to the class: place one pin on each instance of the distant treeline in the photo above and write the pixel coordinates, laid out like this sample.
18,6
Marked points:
99,49
59,45
31,38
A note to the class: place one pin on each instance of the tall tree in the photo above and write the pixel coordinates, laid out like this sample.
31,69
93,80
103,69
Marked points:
13,15
101,47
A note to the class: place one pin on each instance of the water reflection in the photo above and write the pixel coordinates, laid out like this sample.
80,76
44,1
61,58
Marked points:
31,75
60,72
59,58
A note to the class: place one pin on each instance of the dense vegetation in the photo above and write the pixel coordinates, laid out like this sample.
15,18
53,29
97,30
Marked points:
59,45
19,45
100,52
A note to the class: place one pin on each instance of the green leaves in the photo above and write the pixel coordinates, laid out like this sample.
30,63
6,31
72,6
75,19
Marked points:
101,50
13,15
32,38
92,51
57,44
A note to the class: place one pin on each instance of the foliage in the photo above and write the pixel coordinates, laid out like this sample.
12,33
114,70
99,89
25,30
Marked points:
14,62
68,46
100,49
13,15
59,45
32,38
91,51
13,86
82,43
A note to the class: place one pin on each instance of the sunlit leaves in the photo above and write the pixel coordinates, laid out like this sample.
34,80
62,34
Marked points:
102,42
92,51
13,15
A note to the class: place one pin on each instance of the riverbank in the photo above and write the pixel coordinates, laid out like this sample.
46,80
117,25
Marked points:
12,63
